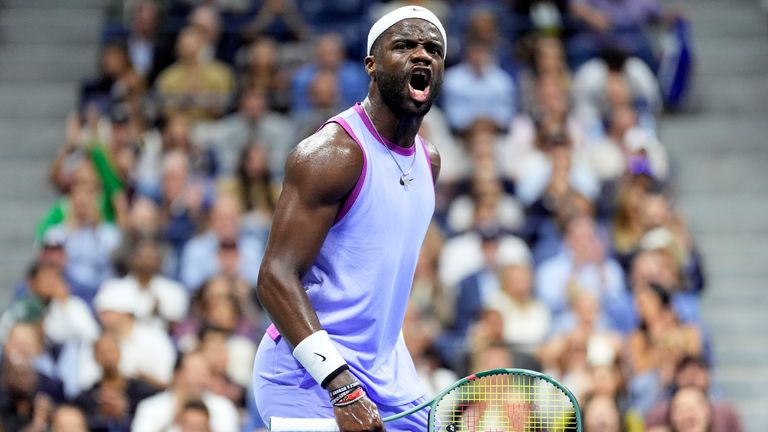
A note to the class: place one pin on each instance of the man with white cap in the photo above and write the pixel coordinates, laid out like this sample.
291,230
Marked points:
357,200
147,352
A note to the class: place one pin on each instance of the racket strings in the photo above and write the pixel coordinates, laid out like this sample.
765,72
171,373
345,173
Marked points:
505,403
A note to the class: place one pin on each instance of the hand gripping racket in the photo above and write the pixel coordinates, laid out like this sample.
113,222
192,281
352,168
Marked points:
499,400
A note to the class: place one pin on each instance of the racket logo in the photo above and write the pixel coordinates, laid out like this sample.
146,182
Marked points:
322,357
450,428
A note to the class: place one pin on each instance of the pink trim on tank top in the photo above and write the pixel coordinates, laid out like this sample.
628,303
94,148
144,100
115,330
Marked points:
389,144
360,180
273,332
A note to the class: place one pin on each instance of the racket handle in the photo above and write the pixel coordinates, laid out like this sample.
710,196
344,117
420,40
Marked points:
282,424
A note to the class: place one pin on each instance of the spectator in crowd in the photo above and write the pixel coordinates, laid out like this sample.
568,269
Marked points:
483,26
324,98
583,262
627,150
146,47
690,410
102,163
624,21
224,303
477,89
194,417
191,381
184,201
589,82
207,20
194,86
146,351
265,72
419,334
329,56
68,418
25,344
110,403
230,357
486,187
551,106
63,316
254,121
118,82
278,19
656,347
26,397
627,228
175,136
198,262
601,414
160,300
254,185
526,320
89,241
694,372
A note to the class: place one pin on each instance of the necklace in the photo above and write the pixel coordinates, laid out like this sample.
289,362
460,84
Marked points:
404,180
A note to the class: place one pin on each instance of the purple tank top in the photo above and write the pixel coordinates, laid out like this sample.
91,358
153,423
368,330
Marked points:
360,281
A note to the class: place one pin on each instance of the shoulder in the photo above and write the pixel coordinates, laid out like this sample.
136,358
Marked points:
434,158
327,163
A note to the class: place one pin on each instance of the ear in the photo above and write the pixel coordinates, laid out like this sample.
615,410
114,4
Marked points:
370,66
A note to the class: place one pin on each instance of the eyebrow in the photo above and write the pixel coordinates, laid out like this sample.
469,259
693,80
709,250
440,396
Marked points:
429,41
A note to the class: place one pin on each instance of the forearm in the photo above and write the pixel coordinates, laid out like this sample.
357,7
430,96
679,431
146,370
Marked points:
282,295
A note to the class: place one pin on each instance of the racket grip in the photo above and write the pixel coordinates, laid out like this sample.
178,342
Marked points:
282,424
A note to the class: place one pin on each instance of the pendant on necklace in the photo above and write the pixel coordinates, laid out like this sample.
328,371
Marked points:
405,181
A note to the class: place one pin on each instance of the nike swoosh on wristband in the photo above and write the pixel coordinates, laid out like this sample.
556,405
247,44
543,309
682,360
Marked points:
321,356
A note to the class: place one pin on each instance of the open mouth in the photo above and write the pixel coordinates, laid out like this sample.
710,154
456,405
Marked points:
418,86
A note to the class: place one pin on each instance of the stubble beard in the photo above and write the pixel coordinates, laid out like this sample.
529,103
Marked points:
392,90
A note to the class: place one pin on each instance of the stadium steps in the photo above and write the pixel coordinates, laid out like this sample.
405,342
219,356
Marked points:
721,155
46,47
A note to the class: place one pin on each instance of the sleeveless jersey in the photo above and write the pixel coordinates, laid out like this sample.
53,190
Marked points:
361,279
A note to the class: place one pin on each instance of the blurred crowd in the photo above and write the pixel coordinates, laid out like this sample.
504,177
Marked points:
556,244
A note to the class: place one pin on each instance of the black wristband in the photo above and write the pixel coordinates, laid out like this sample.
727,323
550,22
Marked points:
333,375
337,391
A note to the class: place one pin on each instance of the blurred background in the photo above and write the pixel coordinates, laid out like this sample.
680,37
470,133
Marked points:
601,212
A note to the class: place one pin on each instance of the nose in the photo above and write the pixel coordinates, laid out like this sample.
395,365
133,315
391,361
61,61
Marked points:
420,55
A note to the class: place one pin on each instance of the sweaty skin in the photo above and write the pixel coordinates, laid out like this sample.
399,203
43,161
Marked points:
321,172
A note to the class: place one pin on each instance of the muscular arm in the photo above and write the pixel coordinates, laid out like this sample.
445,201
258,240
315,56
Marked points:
319,173
434,159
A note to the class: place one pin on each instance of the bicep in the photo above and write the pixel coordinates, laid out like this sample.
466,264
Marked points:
318,178
435,161
299,228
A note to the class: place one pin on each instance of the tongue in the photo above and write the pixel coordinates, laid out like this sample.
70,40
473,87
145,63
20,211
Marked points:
419,95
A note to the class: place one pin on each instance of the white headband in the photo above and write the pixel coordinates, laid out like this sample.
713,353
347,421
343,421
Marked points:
404,13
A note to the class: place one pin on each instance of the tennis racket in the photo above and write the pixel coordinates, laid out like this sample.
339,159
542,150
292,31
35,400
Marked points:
508,400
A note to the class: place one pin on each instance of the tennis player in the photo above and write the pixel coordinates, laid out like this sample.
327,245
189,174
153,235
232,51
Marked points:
356,203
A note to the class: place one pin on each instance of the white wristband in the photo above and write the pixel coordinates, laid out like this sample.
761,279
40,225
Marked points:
319,357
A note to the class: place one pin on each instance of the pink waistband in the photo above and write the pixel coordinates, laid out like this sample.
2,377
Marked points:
273,332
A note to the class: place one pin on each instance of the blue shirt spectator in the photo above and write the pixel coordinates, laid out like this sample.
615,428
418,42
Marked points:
201,258
478,89
582,265
329,56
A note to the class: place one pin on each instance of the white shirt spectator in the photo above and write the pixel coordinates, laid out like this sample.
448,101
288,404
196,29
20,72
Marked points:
155,414
163,301
534,180
525,325
589,85
70,320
